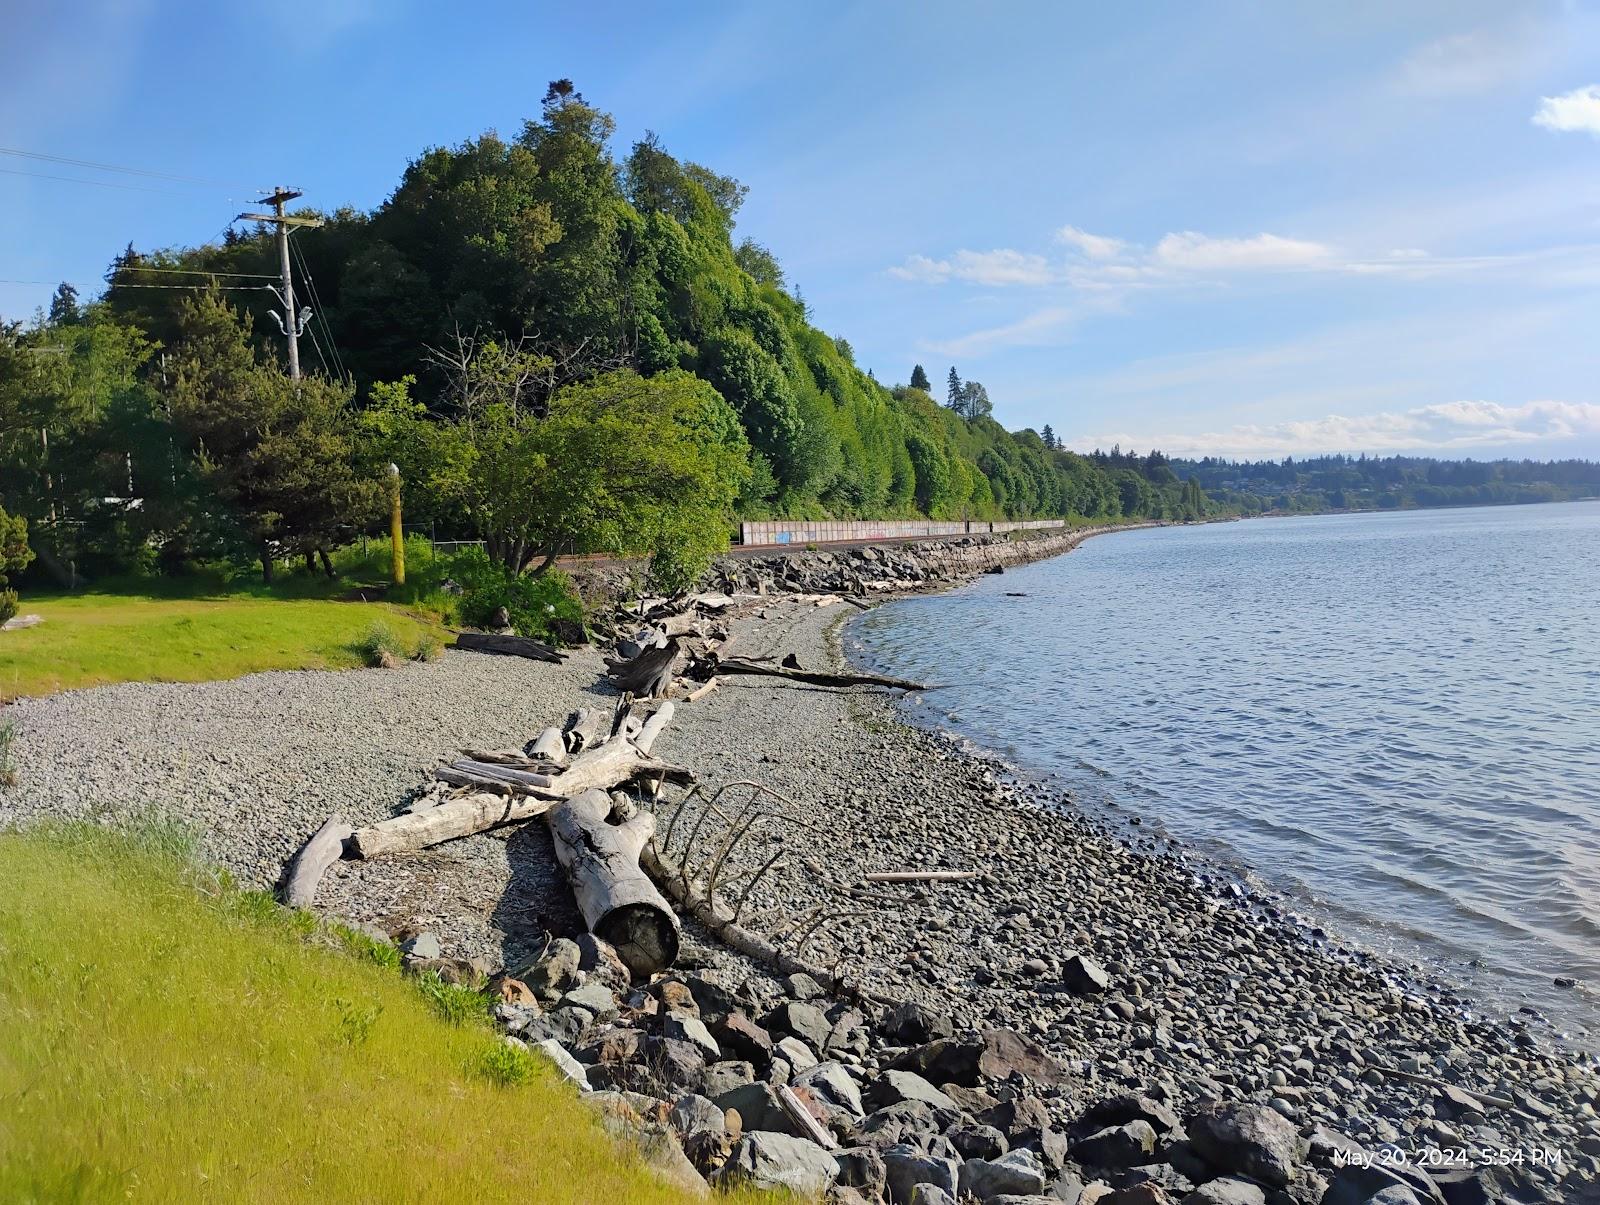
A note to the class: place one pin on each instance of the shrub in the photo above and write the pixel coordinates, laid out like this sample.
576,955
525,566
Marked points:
380,648
8,604
538,605
428,647
503,1064
455,1004
8,773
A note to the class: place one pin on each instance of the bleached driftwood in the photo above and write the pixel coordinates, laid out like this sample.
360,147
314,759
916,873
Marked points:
920,876
801,1116
599,847
455,818
549,746
586,728
502,773
700,692
508,646
312,862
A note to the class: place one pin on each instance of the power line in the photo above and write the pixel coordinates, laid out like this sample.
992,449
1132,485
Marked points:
319,313
13,171
131,171
244,288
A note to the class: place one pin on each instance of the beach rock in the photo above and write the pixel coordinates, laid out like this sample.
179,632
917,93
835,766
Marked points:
726,1076
905,1167
800,986
693,1030
1017,1172
424,945
1247,1138
677,1065
795,1052
592,996
978,1141
599,962
1230,1190
944,1061
1125,1107
803,1020
914,1024
1117,1146
695,1114
930,1194
569,1067
860,1167
1083,976
554,972
909,1122
893,1087
758,1108
1006,1052
773,1161
741,1038
833,1085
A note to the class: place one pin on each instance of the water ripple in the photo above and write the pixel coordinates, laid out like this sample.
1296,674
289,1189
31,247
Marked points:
1391,716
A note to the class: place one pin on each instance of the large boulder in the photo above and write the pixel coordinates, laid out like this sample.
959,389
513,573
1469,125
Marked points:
1083,976
1117,1146
554,972
1115,1110
913,1024
1006,1052
1016,1172
832,1084
778,1161
1246,1138
1230,1190
893,1087
905,1167
804,1020
741,1038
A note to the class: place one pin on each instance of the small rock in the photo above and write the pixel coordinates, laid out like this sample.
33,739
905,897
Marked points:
422,945
1083,976
1117,1146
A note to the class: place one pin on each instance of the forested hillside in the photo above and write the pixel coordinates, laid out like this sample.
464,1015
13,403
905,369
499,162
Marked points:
561,350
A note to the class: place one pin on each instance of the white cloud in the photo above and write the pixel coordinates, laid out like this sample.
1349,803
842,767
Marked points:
1577,111
994,269
1188,250
1037,329
1444,427
1471,62
1094,246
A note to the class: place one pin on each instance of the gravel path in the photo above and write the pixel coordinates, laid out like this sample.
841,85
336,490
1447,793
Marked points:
1212,991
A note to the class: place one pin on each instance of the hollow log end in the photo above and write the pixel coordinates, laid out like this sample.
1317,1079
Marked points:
644,937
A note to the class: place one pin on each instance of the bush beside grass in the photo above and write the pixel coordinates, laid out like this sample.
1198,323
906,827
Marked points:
170,1037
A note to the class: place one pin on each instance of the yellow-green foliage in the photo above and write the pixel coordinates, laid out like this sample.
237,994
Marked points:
93,639
167,1038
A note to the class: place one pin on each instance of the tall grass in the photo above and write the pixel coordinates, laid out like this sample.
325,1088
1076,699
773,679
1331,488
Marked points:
167,1037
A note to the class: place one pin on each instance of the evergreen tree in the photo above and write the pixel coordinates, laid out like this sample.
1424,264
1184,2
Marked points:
919,379
1049,437
64,309
953,391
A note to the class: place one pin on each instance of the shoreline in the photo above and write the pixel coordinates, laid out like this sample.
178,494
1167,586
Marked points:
1203,1000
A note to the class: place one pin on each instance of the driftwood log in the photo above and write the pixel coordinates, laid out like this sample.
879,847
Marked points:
648,675
508,646
455,818
738,665
598,844
312,862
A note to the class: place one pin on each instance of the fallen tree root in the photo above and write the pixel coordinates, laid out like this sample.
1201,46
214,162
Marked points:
671,879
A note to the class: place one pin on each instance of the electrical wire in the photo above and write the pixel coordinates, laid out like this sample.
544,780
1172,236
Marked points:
131,171
317,312
196,272
13,171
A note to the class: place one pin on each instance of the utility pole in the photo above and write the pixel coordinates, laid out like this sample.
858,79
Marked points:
292,322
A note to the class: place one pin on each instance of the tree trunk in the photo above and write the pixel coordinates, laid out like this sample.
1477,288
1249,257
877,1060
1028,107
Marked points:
457,818
600,854
266,564
327,564
510,646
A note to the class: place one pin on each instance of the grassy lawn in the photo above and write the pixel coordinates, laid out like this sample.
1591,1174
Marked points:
166,1038
97,637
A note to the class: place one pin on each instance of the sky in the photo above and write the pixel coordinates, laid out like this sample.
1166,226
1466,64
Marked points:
1223,229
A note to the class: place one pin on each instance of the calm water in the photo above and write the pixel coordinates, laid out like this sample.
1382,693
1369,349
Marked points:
1392,718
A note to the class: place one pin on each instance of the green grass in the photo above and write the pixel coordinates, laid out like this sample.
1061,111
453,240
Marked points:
164,1037
144,633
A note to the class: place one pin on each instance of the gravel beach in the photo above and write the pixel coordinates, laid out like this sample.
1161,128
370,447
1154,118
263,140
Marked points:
1125,960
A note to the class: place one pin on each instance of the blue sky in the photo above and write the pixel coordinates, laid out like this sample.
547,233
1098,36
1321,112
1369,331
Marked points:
1232,228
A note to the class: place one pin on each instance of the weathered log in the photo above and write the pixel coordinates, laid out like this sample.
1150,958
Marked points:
549,746
501,773
739,665
920,876
648,675
508,646
619,903
617,761
586,728
700,692
312,862
457,818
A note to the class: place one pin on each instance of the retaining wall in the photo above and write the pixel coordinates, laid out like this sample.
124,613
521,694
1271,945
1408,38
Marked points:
830,531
